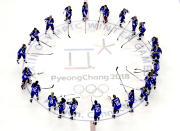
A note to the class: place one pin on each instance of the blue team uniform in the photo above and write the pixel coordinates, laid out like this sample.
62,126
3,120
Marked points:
49,23
84,10
154,42
156,52
34,35
131,99
122,16
72,107
52,100
21,53
62,106
134,23
105,12
35,90
144,94
26,75
68,13
97,111
142,29
148,82
153,79
156,67
116,104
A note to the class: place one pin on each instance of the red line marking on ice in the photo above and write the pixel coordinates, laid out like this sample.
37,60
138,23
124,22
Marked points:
100,50
92,126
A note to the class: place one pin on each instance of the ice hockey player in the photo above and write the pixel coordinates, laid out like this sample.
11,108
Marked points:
148,82
144,94
34,35
68,11
142,29
134,24
156,51
156,66
105,11
49,23
154,42
52,100
72,106
116,105
22,52
122,16
153,78
61,106
97,111
85,11
35,90
26,75
131,98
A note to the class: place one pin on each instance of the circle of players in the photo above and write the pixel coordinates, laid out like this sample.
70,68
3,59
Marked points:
150,79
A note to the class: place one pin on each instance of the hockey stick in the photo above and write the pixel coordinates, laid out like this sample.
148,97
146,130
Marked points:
109,98
68,31
45,44
49,87
140,48
133,74
56,35
112,29
129,40
130,87
39,73
146,46
140,70
122,31
39,54
91,100
121,80
98,21
149,43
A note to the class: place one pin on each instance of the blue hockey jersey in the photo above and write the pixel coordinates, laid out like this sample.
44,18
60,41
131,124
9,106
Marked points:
52,100
49,21
97,109
34,34
68,12
26,74
35,89
116,103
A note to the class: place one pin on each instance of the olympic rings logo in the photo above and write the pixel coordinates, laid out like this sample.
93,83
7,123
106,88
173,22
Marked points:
91,90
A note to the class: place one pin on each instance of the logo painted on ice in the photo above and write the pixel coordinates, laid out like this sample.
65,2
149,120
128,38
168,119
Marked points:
141,48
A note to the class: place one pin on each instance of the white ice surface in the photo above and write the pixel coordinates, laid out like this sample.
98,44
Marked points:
18,17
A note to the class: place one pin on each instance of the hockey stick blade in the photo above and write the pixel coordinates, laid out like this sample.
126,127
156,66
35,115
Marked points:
45,44
39,54
49,87
137,72
56,35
